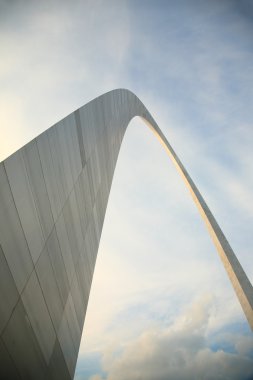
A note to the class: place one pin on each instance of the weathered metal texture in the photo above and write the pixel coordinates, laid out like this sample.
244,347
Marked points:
53,198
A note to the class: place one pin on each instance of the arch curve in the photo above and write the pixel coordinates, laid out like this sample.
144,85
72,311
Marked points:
53,198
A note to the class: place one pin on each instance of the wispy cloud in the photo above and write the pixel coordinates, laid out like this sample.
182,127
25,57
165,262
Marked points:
55,58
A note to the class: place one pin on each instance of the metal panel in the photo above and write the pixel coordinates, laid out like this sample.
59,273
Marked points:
12,238
23,197
84,278
65,246
95,168
8,370
91,244
49,288
86,192
74,327
58,266
8,291
57,369
90,181
80,199
76,220
78,300
22,343
38,187
70,214
38,315
67,345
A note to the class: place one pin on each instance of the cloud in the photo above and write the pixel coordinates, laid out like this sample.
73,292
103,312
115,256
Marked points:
178,352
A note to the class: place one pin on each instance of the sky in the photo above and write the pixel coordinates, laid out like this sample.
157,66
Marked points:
161,306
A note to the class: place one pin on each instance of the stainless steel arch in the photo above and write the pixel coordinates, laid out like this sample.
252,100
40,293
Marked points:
53,197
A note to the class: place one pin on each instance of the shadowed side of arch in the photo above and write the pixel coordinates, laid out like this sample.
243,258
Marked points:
53,197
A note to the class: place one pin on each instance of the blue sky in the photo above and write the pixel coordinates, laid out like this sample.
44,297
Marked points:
161,306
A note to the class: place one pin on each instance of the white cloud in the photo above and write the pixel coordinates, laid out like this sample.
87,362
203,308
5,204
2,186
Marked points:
178,352
244,345
96,377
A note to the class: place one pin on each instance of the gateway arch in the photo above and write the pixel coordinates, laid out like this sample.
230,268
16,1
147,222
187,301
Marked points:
53,198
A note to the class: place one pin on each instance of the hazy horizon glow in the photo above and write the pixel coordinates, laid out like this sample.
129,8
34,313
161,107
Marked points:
161,305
